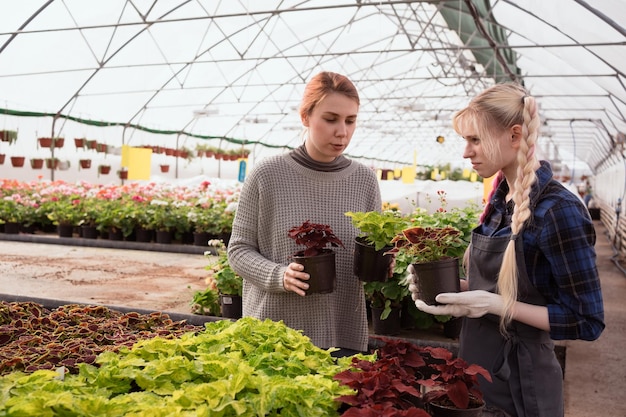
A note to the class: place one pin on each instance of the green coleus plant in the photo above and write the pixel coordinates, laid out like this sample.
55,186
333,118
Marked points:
378,228
243,368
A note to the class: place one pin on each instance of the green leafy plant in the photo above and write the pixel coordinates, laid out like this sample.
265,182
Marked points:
378,228
206,302
246,367
226,280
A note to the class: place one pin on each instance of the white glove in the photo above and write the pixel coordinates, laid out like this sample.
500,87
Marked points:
472,304
411,279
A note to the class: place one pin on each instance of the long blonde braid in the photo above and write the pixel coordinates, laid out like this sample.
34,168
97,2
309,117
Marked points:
526,177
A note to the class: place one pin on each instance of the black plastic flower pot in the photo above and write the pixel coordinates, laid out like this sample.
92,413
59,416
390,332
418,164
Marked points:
434,278
440,410
322,271
231,306
371,264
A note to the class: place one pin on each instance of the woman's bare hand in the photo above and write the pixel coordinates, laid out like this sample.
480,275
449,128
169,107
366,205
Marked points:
294,279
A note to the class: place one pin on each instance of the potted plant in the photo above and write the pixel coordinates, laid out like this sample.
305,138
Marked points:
318,260
228,284
52,163
452,385
85,163
434,253
371,262
17,161
8,136
405,379
104,169
204,222
36,163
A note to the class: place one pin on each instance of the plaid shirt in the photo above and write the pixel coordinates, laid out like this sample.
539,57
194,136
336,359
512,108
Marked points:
559,253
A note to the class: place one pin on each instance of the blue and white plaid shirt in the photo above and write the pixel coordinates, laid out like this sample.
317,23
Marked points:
559,241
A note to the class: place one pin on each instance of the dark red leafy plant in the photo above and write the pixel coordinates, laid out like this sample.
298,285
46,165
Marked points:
314,237
392,385
387,387
33,337
454,381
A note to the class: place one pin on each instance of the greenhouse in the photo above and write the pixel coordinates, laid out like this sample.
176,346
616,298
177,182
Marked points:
137,123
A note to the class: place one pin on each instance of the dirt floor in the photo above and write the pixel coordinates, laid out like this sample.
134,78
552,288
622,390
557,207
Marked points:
158,281
595,372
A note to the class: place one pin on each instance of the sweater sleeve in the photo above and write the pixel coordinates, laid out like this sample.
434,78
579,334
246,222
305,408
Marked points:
243,249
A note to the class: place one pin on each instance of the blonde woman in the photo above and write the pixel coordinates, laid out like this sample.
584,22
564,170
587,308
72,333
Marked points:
532,275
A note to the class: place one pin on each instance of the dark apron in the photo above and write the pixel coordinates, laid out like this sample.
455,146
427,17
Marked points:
527,377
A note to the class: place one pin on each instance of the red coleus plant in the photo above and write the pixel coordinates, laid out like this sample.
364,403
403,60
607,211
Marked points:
453,380
315,237
391,386
428,244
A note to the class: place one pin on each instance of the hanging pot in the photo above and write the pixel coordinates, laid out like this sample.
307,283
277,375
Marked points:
45,142
437,277
36,163
322,270
371,264
18,161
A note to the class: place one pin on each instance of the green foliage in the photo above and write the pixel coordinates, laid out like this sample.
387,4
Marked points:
206,302
378,228
226,280
386,294
64,209
243,368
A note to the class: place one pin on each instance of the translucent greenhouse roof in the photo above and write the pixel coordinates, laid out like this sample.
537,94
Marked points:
233,71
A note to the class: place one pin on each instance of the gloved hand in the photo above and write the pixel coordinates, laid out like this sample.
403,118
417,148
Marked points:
472,304
411,279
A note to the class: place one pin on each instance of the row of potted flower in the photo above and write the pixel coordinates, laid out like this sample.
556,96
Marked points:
159,207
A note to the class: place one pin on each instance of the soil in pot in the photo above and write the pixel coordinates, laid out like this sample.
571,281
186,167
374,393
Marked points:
322,270
370,264
443,409
437,277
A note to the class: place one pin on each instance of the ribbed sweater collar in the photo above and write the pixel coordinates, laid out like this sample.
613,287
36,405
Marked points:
301,156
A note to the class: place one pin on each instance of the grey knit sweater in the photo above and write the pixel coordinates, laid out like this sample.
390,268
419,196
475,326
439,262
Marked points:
279,194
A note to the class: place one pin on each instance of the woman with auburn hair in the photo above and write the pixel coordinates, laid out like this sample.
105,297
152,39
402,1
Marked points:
531,267
314,182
